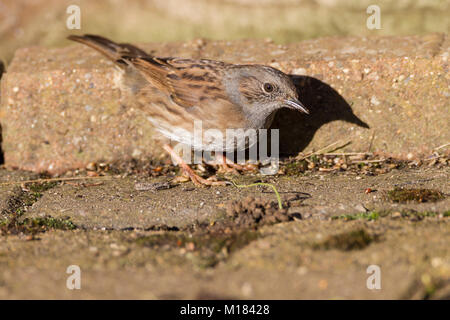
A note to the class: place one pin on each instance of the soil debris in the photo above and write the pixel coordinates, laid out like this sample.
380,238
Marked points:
253,212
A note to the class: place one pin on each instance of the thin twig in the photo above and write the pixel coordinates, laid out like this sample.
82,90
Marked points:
318,151
368,161
432,158
327,169
348,154
53,179
440,147
341,146
371,142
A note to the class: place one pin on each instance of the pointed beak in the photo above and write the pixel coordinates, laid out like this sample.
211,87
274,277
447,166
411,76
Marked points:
295,104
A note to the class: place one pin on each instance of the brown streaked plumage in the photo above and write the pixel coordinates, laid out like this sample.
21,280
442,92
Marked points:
175,92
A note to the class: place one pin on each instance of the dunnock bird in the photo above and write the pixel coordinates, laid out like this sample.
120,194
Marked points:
175,92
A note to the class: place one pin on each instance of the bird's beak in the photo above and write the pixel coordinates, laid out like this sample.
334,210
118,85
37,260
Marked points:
295,104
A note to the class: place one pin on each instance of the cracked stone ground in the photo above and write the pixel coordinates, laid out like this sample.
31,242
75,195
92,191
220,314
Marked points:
177,243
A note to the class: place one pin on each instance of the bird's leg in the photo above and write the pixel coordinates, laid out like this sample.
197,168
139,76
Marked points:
196,179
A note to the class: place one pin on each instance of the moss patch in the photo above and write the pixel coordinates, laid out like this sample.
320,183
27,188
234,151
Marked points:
296,168
400,195
32,226
423,214
12,224
205,249
29,195
41,187
373,215
353,240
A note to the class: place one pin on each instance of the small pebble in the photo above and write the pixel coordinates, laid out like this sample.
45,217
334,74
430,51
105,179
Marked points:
396,215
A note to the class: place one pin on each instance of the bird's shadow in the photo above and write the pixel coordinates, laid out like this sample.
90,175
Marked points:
325,105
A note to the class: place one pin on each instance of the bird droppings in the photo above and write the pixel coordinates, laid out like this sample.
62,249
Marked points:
369,216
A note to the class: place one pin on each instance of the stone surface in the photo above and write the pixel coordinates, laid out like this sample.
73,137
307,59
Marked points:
284,261
281,265
60,108
115,204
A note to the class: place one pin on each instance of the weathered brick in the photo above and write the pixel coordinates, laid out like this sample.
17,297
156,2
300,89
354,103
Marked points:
60,108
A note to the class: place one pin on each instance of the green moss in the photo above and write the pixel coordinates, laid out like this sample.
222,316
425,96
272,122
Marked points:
41,187
49,223
13,225
31,193
353,240
373,215
296,168
423,214
315,159
400,195
35,192
430,290
208,248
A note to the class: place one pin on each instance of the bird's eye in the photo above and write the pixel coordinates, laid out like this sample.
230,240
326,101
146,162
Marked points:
268,87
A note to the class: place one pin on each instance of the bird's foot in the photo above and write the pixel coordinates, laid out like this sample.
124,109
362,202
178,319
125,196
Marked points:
199,181
195,178
227,166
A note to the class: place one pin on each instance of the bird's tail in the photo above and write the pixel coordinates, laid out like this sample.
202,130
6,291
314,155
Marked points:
119,53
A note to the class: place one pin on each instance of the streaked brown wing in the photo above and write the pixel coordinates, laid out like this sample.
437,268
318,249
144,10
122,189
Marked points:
214,112
188,82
